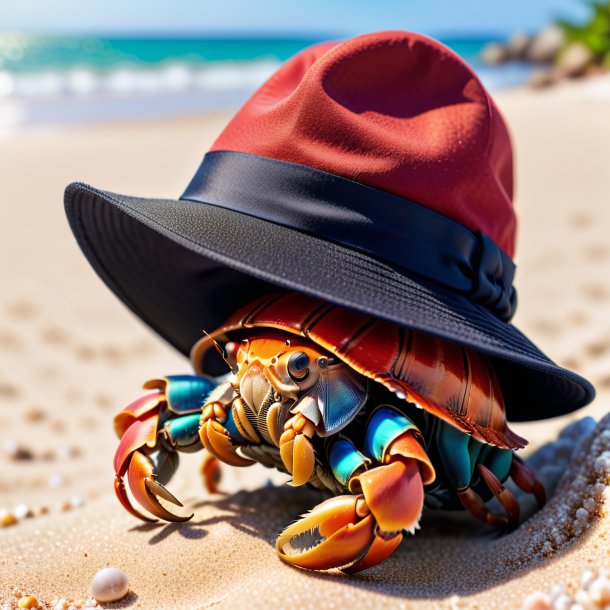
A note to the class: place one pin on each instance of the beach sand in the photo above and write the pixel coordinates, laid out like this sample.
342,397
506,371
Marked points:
71,356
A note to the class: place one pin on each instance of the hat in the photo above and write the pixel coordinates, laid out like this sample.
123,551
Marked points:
374,173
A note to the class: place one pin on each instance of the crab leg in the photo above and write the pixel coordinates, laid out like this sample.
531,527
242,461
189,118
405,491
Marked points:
146,451
220,434
502,494
211,473
525,479
474,504
296,449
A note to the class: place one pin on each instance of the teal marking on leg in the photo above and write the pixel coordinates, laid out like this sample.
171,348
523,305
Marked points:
453,448
231,428
184,432
477,451
499,462
187,393
344,460
385,425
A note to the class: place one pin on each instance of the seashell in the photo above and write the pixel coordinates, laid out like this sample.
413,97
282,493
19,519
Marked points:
109,585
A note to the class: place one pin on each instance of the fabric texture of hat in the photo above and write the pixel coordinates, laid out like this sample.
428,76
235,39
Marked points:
374,173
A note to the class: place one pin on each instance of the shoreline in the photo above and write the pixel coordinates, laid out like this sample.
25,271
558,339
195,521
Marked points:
104,110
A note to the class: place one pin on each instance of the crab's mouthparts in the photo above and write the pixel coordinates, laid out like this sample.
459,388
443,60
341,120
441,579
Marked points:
257,390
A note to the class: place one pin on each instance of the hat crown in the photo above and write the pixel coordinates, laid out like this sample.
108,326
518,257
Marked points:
396,111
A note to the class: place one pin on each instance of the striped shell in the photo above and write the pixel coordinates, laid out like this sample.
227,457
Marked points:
455,383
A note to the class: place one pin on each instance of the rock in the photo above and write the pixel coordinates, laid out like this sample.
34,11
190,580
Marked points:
7,519
493,53
539,79
516,47
23,511
15,451
109,585
546,45
29,601
56,480
574,60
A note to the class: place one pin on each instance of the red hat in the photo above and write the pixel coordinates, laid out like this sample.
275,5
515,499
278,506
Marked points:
375,174
399,112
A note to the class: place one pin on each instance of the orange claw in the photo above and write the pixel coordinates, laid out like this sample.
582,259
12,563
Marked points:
139,469
394,494
146,490
121,494
356,532
345,538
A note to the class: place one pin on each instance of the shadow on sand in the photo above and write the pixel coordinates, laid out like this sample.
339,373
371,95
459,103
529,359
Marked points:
450,544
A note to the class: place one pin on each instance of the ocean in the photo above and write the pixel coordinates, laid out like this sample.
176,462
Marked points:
47,80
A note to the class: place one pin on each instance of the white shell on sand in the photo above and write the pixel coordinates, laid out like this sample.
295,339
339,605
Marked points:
109,584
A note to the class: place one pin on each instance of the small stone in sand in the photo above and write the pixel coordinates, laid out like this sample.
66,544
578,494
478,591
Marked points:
15,451
27,601
7,518
56,480
34,415
109,585
69,604
67,452
8,390
23,511
77,501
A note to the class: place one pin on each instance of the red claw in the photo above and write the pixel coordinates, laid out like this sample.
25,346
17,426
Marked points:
137,426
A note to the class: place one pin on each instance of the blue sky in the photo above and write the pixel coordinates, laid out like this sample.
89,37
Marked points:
342,17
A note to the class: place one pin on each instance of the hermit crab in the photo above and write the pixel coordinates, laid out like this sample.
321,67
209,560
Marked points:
385,418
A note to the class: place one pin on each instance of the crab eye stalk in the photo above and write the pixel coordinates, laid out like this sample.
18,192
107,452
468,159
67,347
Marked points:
298,366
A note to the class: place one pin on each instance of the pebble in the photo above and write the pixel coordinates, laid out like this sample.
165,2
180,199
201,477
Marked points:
15,451
23,511
56,480
109,585
494,53
592,594
7,519
28,601
71,604
77,501
67,452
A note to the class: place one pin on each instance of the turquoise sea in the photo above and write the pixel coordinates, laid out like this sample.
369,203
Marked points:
59,79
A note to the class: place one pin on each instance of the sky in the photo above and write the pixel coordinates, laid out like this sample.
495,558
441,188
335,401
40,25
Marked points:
287,17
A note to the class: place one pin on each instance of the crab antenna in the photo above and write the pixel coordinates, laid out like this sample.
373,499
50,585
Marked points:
222,351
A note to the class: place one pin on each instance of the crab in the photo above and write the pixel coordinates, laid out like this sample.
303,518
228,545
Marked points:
384,418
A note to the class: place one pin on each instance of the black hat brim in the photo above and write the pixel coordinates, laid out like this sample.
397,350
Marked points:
184,266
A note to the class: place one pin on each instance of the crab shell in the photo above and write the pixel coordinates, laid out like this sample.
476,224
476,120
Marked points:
454,383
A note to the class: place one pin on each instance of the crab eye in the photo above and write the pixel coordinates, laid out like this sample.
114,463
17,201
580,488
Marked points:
298,366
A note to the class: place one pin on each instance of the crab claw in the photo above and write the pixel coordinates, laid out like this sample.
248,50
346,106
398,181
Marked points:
140,472
356,532
342,536
146,489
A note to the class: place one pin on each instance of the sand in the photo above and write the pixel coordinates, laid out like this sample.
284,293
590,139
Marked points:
71,355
